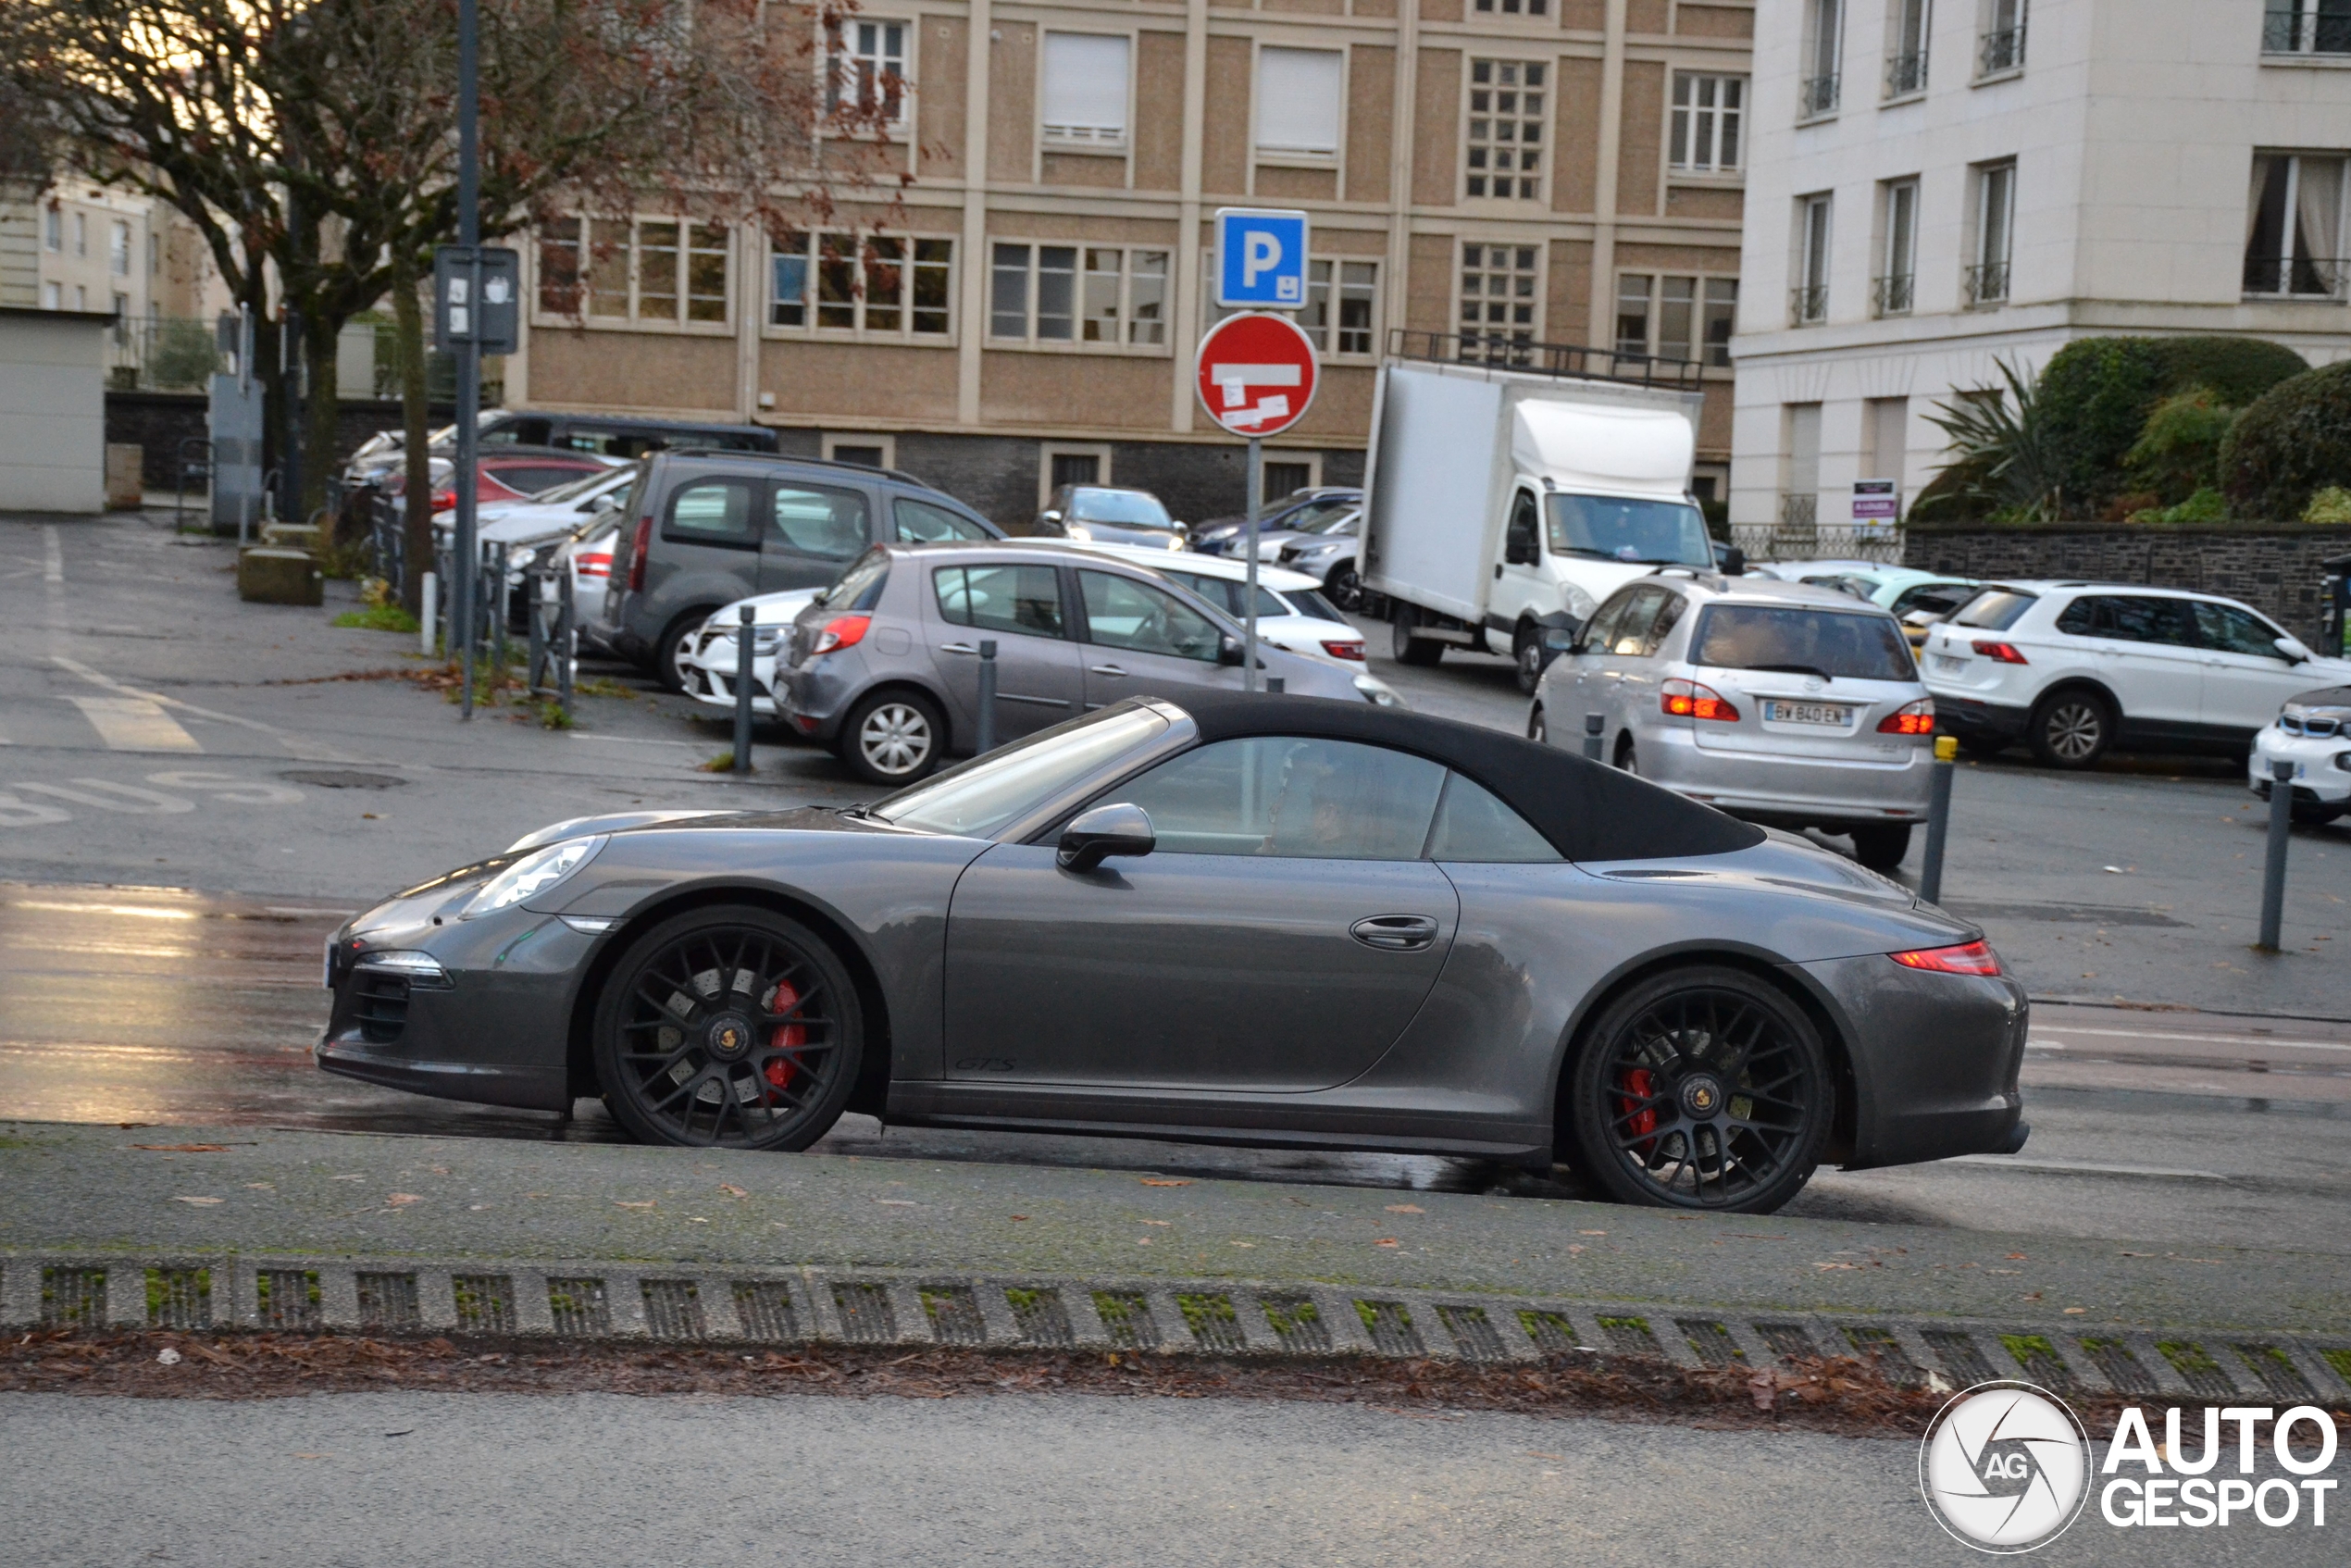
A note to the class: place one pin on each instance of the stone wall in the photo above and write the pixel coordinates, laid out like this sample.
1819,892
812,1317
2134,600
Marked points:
2277,568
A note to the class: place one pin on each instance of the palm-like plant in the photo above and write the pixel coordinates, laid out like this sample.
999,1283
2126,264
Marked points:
2003,455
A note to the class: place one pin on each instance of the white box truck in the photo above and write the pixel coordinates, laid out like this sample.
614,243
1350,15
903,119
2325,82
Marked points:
1504,505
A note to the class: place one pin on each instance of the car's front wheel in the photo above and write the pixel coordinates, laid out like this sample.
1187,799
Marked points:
730,1027
893,738
2071,730
1526,652
1344,588
1881,846
1700,1088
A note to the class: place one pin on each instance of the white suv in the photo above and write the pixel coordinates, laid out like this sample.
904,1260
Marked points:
2073,668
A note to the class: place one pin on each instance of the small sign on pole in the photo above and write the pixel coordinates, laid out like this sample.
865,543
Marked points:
1877,505
1256,375
1261,260
476,297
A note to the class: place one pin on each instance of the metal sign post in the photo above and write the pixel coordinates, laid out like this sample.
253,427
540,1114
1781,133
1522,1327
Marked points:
1256,377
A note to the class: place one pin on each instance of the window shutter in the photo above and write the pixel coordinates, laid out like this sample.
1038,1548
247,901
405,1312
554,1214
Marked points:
1084,88
1298,92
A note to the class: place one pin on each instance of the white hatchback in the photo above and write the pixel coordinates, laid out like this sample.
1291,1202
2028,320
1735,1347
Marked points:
2072,670
2312,732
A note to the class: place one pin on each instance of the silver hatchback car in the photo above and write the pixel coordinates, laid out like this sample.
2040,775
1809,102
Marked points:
1784,704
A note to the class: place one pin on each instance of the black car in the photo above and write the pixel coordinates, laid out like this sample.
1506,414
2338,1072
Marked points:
1227,917
1296,511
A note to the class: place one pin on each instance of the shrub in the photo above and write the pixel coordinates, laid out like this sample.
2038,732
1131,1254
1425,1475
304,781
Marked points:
2094,395
2205,505
2331,504
2178,451
2237,369
2294,441
2003,459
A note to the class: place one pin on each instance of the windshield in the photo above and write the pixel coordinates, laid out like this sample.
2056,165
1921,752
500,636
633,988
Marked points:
1664,533
1339,521
1995,609
982,795
1824,642
581,486
1133,508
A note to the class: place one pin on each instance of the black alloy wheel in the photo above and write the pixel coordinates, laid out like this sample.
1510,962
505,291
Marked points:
1408,649
1344,588
2071,730
1881,846
729,1027
1700,1088
1527,651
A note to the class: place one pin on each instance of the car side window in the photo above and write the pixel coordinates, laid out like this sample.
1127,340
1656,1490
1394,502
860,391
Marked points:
1600,630
1473,826
1024,600
1293,797
820,521
1668,614
1122,613
2227,629
1519,549
919,522
712,511
2132,618
1631,639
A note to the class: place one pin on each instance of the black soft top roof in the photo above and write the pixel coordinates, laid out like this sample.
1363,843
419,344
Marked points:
1588,811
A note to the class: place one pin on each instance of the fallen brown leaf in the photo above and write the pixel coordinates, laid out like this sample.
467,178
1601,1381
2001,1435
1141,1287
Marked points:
1406,1209
201,1202
183,1148
1161,1181
402,1200
624,1203
731,1190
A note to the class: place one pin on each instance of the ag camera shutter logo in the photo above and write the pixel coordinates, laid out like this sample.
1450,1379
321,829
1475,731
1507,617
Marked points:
2005,1467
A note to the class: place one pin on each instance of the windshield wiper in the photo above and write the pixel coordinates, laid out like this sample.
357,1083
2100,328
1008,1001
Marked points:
1794,669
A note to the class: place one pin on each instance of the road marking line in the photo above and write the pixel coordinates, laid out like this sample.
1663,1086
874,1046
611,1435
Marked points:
131,799
296,747
2200,1040
134,724
53,555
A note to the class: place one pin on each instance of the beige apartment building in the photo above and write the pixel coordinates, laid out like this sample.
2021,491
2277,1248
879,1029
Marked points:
1530,171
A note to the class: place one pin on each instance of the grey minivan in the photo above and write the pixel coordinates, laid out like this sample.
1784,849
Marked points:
712,528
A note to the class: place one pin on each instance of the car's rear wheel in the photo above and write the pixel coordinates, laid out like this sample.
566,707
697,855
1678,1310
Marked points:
729,1027
1881,846
2071,730
1700,1088
669,654
893,738
1344,588
1407,648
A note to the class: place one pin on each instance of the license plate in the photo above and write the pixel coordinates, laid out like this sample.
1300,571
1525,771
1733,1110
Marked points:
1807,713
1948,665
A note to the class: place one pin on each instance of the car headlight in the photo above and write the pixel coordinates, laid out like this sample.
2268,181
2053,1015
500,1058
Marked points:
1578,604
1079,530
533,875
1377,691
1174,542
764,639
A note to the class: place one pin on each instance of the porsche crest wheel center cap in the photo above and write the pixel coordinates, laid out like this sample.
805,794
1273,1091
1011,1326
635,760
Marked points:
1703,1096
729,1036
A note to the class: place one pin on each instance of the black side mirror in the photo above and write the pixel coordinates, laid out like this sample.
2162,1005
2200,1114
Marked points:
1229,650
1094,836
1735,561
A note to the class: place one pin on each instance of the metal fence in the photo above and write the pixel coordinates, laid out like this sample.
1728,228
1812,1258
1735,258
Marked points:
163,354
1802,542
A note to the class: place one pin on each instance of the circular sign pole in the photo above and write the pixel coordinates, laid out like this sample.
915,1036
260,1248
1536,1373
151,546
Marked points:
1256,374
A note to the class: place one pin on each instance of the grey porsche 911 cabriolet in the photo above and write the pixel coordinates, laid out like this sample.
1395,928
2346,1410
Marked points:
1227,917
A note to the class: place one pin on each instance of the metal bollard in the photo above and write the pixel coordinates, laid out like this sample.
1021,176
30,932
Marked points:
1593,725
987,737
745,635
493,572
567,641
429,595
1938,816
534,585
2273,874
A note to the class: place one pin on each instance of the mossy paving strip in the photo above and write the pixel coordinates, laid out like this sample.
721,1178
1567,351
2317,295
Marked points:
1127,1319
1390,1325
1474,1335
954,1314
2204,1376
1040,1315
2113,1358
1631,1336
865,1317
1296,1323
2038,1359
1214,1324
764,1309
286,1297
388,1301
673,1309
1961,1356
2275,1369
73,1298
485,1302
1549,1331
579,1306
1711,1341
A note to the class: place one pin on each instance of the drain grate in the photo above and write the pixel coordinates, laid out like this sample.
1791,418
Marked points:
485,1302
2340,1361
1631,1336
1390,1326
1476,1338
179,1298
954,1314
2204,1376
1214,1324
1879,1344
865,1317
73,1298
1550,1331
2275,1369
2039,1358
673,1309
388,1301
2113,1358
1961,1356
764,1309
1296,1323
1712,1342
289,1297
1040,1316
1126,1318
579,1306
1788,1341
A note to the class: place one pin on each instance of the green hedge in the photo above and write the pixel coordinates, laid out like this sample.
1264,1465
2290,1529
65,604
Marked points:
2294,441
2097,394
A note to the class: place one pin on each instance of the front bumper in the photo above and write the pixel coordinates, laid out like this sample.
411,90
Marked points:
2320,778
1935,1059
1790,791
712,681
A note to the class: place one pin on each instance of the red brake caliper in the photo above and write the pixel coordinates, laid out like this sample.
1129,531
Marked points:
1640,1119
781,1070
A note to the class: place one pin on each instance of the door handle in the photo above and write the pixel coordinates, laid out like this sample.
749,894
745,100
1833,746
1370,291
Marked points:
959,648
1395,933
1104,669
1498,571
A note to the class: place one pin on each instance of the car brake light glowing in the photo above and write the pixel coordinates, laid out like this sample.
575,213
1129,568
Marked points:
2002,653
842,632
1338,649
1969,958
1687,699
637,549
1912,718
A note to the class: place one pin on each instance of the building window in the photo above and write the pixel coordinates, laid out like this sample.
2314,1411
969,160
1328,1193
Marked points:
885,285
52,297
2307,27
53,230
1808,304
1987,273
1891,293
1339,297
1707,112
1070,293
2293,233
1513,7
118,250
1084,95
865,72
155,254
81,297
1298,99
1817,89
559,268
648,269
1906,36
2001,48
80,233
1676,317
1501,293
1506,130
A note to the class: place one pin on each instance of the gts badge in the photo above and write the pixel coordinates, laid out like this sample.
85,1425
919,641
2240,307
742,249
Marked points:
985,1064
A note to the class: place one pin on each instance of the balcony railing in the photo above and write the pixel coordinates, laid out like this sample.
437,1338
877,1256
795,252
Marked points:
1801,512
1906,74
2298,278
1988,283
1510,352
2295,29
2000,51
1816,96
1809,305
1890,295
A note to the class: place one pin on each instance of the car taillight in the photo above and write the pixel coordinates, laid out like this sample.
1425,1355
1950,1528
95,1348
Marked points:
638,549
1970,958
2002,653
842,632
442,500
1687,699
595,566
1338,649
1912,718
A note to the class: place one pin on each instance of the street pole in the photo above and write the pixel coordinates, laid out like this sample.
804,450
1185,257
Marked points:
2273,873
468,346
1938,816
985,741
1256,505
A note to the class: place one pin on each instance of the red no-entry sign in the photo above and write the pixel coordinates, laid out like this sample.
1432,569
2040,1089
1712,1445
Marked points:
1256,374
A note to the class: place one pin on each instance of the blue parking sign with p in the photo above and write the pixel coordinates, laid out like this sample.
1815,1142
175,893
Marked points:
1261,259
